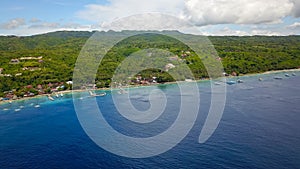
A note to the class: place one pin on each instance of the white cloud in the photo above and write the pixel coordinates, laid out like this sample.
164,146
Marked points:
226,17
203,12
295,25
147,21
224,31
250,30
57,25
37,23
34,20
266,32
46,25
36,26
198,12
121,8
72,25
13,24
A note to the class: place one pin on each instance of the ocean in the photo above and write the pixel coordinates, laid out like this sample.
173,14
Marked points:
259,129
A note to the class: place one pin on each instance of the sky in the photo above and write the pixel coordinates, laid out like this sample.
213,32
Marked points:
210,17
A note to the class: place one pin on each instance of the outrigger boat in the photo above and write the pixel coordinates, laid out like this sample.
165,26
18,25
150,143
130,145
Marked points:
278,78
95,95
50,98
231,82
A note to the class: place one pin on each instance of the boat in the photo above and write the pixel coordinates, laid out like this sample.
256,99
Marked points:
231,82
95,95
287,75
122,91
36,105
57,96
17,109
260,79
102,94
293,74
92,94
50,98
240,81
188,80
278,78
217,83
61,95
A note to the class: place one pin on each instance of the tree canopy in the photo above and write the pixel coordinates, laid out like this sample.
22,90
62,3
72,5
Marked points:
51,57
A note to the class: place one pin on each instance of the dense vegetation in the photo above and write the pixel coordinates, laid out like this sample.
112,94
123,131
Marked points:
258,53
53,57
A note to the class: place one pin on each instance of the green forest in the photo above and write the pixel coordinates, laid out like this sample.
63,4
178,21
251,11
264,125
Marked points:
37,64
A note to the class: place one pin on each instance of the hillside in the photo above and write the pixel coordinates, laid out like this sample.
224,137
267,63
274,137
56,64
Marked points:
37,64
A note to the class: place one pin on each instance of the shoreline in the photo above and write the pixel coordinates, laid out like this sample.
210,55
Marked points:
268,72
138,86
272,72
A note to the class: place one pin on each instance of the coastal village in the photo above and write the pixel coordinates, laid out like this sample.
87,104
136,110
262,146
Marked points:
31,90
53,88
58,87
28,64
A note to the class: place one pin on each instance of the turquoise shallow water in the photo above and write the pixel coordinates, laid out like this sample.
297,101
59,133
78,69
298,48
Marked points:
259,129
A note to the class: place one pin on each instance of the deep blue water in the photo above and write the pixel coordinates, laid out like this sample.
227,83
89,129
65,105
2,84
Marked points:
259,129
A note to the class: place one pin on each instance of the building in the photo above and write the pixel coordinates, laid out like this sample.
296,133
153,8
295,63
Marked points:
169,66
69,82
14,61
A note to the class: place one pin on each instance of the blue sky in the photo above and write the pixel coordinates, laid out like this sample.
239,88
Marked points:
46,10
211,17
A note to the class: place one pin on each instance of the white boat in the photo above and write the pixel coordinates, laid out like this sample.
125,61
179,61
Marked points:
95,95
102,94
57,95
92,94
287,75
260,79
278,78
217,83
36,106
188,80
50,98
17,109
293,74
61,95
